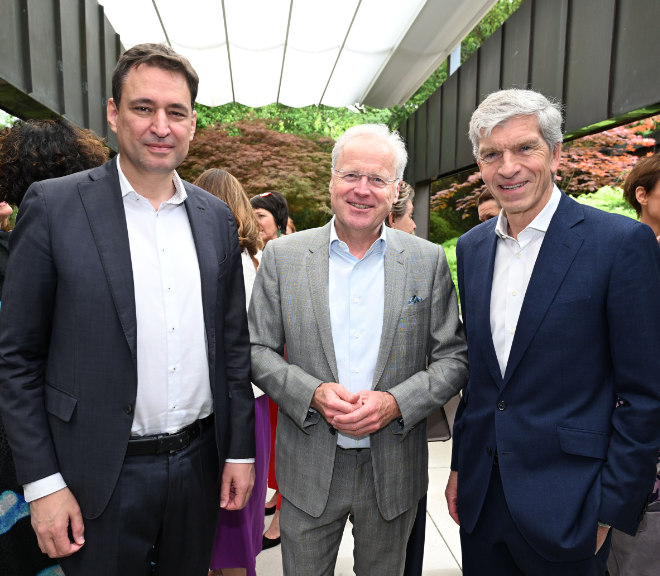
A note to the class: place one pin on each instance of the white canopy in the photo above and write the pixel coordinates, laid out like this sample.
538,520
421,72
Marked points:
302,52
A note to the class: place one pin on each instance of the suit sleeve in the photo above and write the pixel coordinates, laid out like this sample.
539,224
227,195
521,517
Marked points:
237,355
289,386
447,371
633,312
25,324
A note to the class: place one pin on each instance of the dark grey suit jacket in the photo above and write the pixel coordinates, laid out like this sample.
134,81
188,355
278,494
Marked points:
290,305
68,358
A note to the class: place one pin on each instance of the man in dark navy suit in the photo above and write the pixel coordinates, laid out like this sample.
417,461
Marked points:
561,308
124,349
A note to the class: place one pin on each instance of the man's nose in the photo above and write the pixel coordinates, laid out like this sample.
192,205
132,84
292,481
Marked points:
509,164
160,125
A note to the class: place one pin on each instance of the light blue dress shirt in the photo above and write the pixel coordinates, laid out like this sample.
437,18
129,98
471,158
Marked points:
356,292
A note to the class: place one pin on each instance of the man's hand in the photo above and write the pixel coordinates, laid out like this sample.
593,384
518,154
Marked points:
51,517
451,494
376,410
600,537
237,483
332,399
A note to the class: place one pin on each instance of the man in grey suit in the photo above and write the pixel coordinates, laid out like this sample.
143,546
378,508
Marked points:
369,318
124,352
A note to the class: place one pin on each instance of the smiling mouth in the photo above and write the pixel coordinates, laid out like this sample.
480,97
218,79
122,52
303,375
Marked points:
359,206
512,186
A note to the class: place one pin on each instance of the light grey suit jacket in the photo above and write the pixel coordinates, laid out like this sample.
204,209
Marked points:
420,327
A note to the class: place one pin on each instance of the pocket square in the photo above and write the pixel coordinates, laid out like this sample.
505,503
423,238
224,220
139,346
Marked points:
414,299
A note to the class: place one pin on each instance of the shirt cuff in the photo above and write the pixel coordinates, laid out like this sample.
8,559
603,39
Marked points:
44,487
240,460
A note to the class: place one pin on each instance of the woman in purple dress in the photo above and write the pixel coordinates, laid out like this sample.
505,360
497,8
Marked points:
239,535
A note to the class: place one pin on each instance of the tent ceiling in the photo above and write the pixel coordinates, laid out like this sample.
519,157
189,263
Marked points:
302,52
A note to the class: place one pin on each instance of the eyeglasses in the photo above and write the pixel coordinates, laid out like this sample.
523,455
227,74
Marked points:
374,180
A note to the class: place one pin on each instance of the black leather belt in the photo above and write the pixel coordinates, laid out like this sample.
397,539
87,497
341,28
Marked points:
163,443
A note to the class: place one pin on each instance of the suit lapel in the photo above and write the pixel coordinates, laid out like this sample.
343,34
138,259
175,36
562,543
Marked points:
560,245
395,284
482,266
318,278
203,228
103,204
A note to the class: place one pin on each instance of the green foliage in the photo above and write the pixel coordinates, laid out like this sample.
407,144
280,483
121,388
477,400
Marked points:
322,121
263,159
608,199
440,229
449,247
6,119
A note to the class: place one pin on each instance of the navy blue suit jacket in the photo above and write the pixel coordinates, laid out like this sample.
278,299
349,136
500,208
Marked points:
588,334
68,349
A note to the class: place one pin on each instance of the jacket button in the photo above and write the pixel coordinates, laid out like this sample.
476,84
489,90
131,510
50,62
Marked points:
501,405
489,451
128,409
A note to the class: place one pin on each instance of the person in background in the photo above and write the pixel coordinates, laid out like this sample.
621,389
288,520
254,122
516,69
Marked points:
290,226
239,533
31,150
370,320
487,206
36,150
401,216
124,348
272,213
560,307
638,555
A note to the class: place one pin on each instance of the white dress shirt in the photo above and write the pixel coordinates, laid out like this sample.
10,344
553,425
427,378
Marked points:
173,374
514,264
356,293
249,276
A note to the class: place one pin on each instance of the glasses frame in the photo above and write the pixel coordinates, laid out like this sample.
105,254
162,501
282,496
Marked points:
388,181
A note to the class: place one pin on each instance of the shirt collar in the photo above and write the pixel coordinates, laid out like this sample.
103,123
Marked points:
178,197
379,244
540,223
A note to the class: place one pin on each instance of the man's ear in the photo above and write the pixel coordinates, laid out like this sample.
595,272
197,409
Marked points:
112,113
390,219
640,194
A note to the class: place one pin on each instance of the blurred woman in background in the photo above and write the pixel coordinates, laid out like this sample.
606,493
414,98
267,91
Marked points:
239,534
401,216
272,212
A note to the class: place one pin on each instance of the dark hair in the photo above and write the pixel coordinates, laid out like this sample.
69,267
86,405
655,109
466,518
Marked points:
223,185
40,149
275,203
485,196
645,174
158,56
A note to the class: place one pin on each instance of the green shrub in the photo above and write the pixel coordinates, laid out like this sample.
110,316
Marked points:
440,230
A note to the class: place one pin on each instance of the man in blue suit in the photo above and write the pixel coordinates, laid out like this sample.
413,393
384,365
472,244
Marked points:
124,348
556,435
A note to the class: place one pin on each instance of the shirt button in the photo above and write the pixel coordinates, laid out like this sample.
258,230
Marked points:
356,300
514,293
501,405
357,334
357,370
128,409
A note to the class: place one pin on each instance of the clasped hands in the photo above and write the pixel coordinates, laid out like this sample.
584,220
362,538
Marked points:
356,414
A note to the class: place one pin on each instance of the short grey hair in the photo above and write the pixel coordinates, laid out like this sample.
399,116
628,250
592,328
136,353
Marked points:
503,105
392,139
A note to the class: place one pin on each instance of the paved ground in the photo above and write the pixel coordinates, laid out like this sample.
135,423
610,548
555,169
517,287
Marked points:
442,551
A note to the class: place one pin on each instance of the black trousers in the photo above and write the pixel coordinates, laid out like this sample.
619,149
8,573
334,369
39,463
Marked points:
415,548
496,548
161,518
